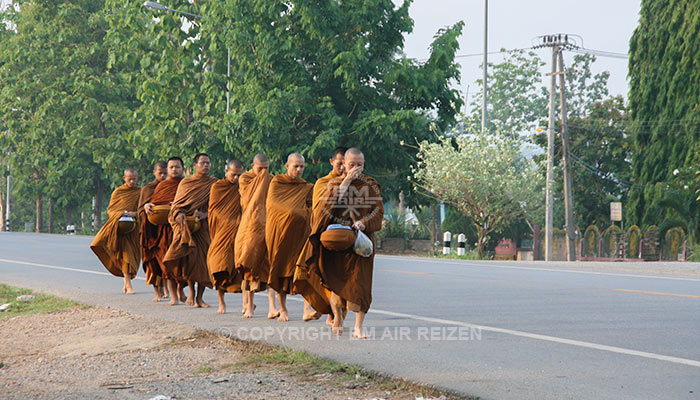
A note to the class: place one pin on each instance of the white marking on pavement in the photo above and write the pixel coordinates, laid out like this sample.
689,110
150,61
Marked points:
536,269
554,339
87,271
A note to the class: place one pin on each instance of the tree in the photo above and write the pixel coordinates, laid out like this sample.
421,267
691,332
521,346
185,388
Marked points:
309,76
663,100
484,176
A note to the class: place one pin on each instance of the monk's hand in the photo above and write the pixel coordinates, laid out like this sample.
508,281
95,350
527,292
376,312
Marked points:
130,213
180,219
200,214
352,174
359,225
148,207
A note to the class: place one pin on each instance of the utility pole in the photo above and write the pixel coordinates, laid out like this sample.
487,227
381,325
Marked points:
7,207
558,43
566,164
484,97
549,200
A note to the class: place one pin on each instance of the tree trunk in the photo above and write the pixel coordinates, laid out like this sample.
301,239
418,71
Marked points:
480,242
99,193
69,215
39,213
50,215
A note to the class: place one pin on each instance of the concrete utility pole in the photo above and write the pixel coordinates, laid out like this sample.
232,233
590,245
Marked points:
558,43
566,164
484,97
7,207
549,200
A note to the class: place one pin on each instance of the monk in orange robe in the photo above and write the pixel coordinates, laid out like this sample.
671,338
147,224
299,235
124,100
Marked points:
353,199
307,282
120,252
192,199
164,194
287,227
250,249
224,218
149,234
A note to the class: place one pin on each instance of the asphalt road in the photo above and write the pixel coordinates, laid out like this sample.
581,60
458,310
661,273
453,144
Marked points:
496,330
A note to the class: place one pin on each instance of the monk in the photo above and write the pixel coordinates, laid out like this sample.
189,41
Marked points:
164,194
287,227
250,249
149,234
192,199
224,218
353,199
307,282
118,252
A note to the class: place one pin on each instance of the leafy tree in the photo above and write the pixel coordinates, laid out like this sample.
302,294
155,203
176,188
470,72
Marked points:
663,99
484,176
310,76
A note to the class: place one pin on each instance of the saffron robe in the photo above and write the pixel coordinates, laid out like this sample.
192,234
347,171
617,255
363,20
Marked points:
192,195
250,248
120,254
224,218
287,227
344,272
164,194
149,233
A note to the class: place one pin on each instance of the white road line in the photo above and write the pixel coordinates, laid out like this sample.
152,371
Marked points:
568,271
554,339
87,271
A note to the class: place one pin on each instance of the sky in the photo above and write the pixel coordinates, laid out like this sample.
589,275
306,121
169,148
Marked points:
603,24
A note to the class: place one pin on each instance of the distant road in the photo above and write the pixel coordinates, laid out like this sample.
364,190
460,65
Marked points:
496,330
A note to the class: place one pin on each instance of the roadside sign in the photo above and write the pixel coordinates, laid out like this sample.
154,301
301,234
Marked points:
616,211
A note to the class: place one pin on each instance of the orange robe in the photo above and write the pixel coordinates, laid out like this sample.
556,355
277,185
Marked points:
346,273
286,228
250,248
149,236
307,282
120,254
192,195
164,194
224,218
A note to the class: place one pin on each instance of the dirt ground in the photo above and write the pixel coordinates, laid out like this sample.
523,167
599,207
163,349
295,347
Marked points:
102,353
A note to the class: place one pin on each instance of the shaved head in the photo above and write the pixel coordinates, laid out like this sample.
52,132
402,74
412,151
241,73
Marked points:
260,158
130,171
354,151
130,177
296,156
234,164
160,164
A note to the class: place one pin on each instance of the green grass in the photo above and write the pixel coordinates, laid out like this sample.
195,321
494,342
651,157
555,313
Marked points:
42,303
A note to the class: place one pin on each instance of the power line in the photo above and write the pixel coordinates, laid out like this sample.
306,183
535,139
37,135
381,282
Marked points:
601,53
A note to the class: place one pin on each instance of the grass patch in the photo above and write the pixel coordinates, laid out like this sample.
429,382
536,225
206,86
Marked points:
310,367
204,369
42,303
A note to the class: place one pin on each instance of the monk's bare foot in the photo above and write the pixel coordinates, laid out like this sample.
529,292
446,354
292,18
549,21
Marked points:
359,333
329,320
156,299
166,294
172,302
130,291
182,296
201,304
222,309
189,301
248,314
273,314
308,316
284,317
337,326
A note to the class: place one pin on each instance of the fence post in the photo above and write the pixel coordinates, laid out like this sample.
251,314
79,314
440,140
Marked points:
462,246
447,242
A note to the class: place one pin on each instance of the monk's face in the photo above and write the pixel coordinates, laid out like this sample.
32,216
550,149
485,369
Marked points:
295,167
175,169
202,166
130,178
354,162
233,173
160,174
259,167
337,163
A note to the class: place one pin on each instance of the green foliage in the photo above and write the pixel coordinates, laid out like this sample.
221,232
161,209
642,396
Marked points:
42,303
484,176
663,97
